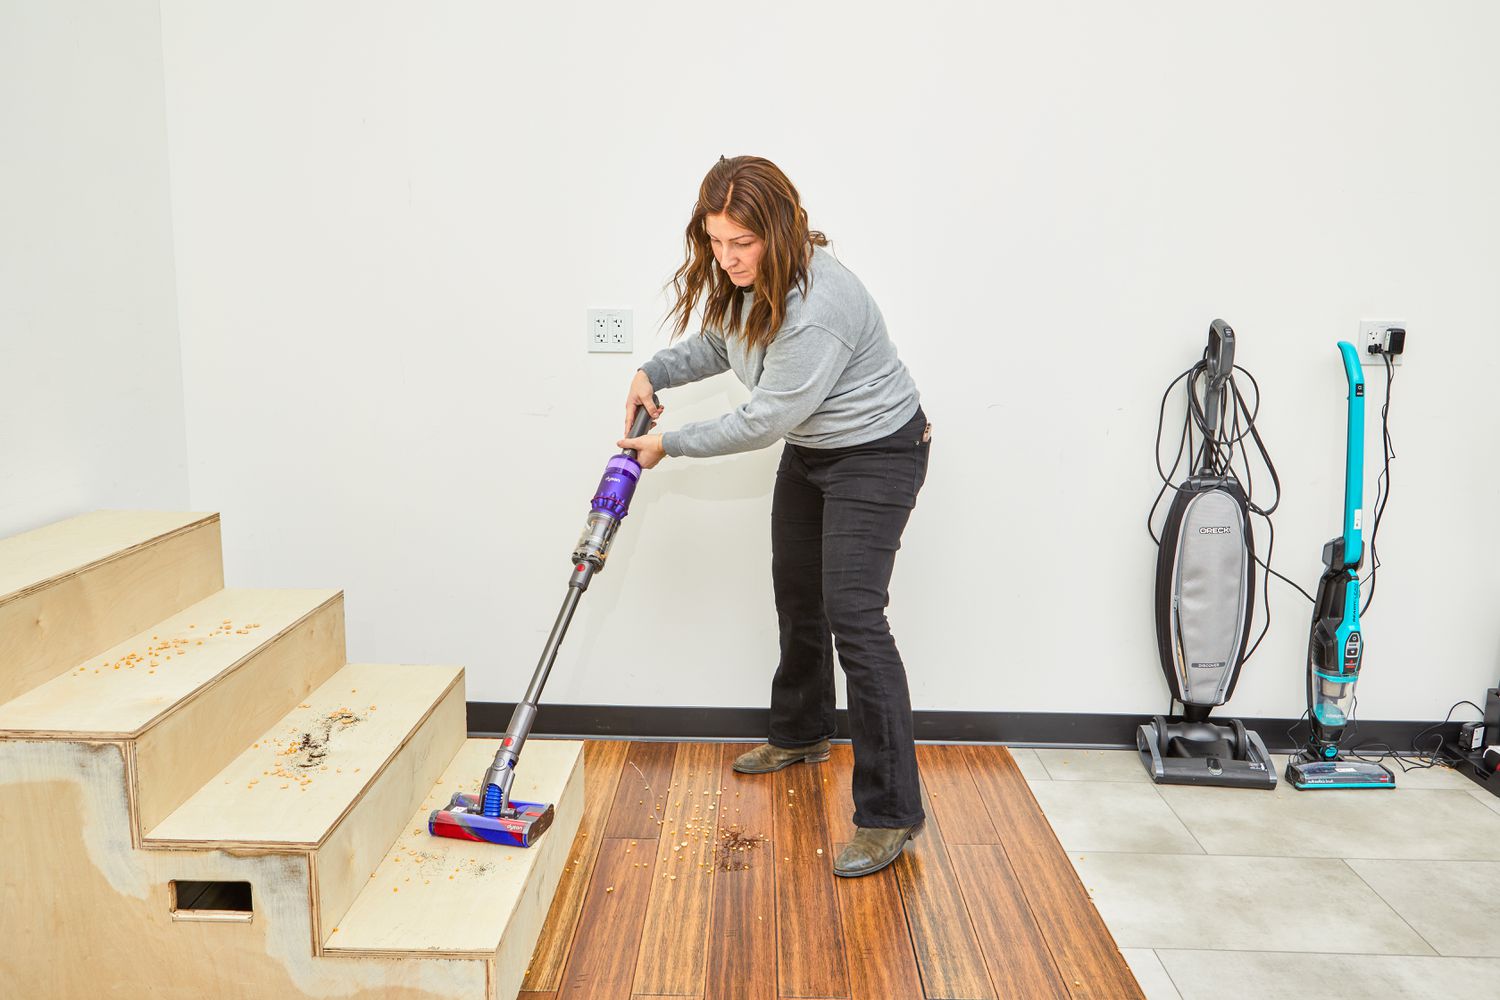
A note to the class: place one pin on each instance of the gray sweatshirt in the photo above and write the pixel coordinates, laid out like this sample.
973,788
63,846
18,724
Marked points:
829,379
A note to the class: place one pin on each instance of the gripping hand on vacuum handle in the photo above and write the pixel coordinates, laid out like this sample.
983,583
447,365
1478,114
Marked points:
642,409
641,393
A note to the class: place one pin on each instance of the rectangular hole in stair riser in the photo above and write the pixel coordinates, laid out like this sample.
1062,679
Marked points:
211,900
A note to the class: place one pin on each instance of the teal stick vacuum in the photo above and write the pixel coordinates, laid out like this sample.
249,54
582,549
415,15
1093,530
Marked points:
1336,647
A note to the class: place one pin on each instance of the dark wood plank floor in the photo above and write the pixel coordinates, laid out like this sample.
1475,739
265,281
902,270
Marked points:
983,905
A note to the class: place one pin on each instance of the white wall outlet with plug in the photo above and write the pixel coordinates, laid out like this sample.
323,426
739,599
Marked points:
1379,335
609,331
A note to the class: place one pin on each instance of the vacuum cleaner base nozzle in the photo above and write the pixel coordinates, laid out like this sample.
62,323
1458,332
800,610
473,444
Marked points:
1202,753
1340,772
464,819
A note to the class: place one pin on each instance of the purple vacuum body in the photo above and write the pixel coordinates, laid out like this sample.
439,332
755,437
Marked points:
617,487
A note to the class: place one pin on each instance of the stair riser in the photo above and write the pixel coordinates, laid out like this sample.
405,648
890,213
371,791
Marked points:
47,631
357,844
91,915
187,747
525,929
493,909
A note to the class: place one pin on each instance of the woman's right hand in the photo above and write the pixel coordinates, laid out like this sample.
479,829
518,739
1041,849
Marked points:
641,395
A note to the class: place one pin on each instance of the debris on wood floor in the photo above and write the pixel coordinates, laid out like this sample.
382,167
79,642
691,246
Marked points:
734,847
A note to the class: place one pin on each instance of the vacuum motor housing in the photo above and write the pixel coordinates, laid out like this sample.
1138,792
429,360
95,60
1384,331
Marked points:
1205,588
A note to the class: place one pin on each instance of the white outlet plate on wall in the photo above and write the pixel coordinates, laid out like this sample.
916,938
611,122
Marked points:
609,331
1372,331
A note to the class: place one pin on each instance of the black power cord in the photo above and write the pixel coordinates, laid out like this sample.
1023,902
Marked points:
1382,484
1425,758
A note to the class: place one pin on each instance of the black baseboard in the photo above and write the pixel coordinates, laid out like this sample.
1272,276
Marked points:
1027,729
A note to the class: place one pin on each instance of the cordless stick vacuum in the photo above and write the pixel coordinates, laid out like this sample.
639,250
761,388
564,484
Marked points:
491,816
1335,647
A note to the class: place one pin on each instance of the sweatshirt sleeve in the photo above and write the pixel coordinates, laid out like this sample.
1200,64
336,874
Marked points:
688,360
801,367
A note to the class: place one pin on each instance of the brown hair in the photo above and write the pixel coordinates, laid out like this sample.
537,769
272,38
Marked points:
755,194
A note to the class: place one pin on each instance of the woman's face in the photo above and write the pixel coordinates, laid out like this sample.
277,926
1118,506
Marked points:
736,248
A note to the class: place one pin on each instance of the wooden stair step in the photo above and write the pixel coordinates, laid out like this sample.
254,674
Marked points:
34,559
122,691
71,589
298,779
435,896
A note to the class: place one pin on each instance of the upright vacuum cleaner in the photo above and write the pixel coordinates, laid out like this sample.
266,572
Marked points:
491,816
1336,647
1205,589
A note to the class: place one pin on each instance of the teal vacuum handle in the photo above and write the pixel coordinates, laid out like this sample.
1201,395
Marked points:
1354,473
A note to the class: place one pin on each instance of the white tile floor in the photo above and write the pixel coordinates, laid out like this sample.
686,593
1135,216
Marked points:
1214,893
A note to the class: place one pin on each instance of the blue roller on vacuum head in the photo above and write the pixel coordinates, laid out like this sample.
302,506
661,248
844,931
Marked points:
1336,646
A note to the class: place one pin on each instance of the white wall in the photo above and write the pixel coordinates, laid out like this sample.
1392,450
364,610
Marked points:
391,217
91,411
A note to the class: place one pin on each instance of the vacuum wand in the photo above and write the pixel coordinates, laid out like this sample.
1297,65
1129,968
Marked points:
491,815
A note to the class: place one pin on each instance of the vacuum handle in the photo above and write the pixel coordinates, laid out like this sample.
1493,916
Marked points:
1220,353
1218,365
641,423
1354,459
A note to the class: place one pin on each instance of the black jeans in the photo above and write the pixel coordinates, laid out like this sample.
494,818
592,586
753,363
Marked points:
836,522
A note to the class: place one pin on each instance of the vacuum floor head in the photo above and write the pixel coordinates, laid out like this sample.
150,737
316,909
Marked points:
1339,772
464,819
1201,753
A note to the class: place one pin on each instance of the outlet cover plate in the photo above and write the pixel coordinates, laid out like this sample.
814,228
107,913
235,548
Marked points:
609,331
1372,331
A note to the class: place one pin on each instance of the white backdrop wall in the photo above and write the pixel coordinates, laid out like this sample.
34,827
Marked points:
391,217
91,411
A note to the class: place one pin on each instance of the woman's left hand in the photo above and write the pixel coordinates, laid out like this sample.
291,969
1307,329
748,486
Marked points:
648,450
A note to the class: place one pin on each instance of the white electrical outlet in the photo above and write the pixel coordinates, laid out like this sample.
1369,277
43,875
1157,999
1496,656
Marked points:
1372,331
609,331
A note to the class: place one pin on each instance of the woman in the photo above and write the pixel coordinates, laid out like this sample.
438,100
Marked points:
808,341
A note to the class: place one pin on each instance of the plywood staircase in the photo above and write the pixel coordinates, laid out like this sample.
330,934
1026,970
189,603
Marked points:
199,797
